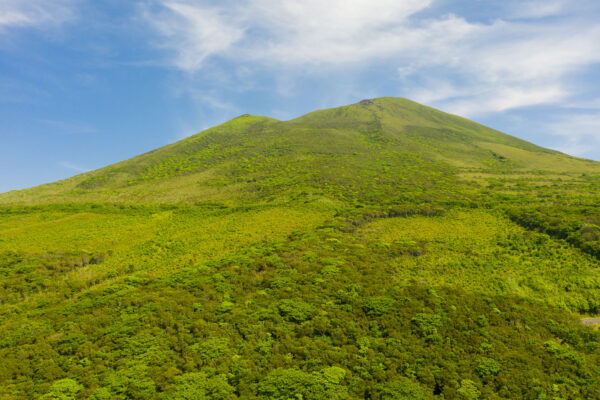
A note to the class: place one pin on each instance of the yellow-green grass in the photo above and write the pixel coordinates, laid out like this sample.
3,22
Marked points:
487,252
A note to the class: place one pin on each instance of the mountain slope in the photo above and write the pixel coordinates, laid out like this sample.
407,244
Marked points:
381,250
387,137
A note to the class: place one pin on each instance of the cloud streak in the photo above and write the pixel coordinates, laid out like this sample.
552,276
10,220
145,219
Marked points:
35,13
73,167
579,133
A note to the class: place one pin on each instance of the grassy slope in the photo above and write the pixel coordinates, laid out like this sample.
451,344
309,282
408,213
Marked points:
341,146
379,250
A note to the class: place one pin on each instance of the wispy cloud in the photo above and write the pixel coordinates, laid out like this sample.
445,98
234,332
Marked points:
35,13
537,8
579,133
520,59
73,167
67,128
194,33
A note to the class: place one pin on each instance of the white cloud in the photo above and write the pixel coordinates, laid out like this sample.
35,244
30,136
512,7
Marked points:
505,64
578,133
35,13
508,65
537,8
281,32
195,33
499,99
586,103
73,167
336,31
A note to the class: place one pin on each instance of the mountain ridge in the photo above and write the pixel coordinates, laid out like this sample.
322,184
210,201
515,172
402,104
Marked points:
383,124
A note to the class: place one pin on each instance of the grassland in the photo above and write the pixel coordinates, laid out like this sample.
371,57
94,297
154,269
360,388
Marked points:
382,250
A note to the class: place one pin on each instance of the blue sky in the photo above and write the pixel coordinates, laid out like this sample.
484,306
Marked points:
86,83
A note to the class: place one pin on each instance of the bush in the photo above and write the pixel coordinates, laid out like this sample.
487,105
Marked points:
487,367
64,389
296,384
468,390
378,306
426,324
197,386
296,310
403,390
212,349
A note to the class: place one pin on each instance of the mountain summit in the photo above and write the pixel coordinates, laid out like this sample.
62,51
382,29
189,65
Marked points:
381,146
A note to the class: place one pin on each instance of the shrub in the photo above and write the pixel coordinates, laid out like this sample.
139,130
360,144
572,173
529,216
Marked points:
197,386
487,367
212,349
378,306
403,390
296,310
468,390
426,324
296,384
64,389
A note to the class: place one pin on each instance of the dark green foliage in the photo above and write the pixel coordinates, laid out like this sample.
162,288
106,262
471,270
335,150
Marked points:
378,306
487,367
283,384
212,349
427,325
197,386
580,226
64,389
403,389
296,310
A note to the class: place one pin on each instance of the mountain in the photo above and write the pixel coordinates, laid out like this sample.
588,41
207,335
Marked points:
380,250
391,139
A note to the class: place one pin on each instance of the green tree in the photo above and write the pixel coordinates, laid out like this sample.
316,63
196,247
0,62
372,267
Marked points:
64,389
284,384
487,367
468,390
403,389
296,310
197,386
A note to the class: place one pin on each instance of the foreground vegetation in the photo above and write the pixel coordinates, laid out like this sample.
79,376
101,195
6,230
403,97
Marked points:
382,250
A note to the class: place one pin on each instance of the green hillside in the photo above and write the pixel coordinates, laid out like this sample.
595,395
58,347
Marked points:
345,149
381,250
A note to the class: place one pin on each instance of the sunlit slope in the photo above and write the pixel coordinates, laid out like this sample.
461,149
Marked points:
365,150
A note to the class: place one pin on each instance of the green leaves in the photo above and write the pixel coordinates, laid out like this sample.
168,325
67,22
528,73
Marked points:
295,310
487,367
284,384
212,349
197,386
468,390
403,389
378,306
64,389
426,324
